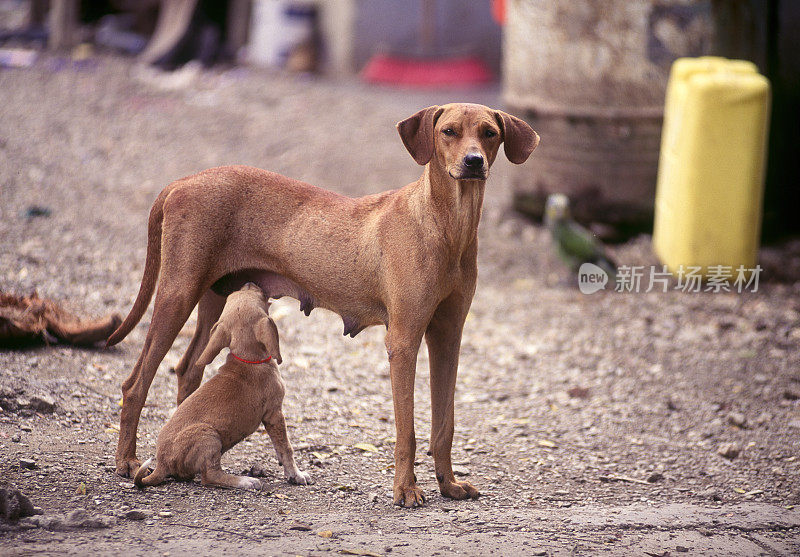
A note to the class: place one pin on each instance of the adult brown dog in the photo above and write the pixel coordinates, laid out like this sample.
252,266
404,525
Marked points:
405,258
246,392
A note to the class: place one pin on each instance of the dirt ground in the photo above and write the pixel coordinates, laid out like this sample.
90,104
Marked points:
592,424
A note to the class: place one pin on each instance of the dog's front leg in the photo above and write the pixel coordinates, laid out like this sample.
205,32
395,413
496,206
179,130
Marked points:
275,424
402,345
443,338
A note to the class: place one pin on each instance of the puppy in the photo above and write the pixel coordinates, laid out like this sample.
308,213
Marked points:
246,392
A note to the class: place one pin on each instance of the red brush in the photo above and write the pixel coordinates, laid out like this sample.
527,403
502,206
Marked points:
420,72
426,70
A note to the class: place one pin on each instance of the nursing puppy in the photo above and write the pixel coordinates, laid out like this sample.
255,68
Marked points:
246,392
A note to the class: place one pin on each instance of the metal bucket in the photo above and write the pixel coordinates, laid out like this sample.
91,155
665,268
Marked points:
590,77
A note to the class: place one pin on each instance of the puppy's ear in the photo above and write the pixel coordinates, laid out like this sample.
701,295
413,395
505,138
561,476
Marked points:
219,339
267,334
417,133
518,137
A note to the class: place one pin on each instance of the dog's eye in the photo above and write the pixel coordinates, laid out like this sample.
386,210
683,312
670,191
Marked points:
489,133
449,131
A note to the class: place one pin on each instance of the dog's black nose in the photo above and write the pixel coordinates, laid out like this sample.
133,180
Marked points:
473,160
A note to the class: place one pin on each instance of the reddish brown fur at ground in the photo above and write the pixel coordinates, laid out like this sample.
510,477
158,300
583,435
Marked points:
30,319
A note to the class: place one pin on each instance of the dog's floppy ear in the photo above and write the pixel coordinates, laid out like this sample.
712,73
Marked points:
518,137
220,338
267,334
417,133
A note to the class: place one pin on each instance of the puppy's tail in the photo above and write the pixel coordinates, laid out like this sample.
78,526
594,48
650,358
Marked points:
154,478
152,265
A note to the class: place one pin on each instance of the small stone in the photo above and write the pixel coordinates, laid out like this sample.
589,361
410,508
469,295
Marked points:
42,403
710,493
655,477
27,464
791,394
681,549
26,428
579,392
257,471
460,471
79,518
16,438
14,505
300,527
374,497
705,532
795,424
76,518
136,514
165,514
737,419
728,450
52,522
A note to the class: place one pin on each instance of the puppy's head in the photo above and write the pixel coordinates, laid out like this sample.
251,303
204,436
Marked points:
463,139
246,315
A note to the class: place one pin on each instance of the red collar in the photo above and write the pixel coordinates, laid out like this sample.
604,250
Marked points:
268,358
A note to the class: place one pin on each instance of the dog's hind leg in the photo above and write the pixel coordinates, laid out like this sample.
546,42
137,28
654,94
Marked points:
171,310
208,452
142,478
190,375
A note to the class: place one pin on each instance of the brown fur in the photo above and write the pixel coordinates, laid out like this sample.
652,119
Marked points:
406,259
26,319
231,405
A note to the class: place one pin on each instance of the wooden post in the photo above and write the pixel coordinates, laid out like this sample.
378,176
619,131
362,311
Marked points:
63,20
237,25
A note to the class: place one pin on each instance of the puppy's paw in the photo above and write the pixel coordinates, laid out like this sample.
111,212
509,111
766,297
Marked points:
300,478
252,484
127,467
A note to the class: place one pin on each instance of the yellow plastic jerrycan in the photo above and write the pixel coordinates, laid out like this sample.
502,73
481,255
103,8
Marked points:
711,168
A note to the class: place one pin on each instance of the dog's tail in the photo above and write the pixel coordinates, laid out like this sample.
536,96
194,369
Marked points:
153,478
152,265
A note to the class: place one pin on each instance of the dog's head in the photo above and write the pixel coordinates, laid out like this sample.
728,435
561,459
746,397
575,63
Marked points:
463,139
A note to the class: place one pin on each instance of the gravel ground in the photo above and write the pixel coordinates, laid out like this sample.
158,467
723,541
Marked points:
590,423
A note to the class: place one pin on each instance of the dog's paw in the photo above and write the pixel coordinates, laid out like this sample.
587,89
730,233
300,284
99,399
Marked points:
300,478
408,497
128,467
459,490
252,484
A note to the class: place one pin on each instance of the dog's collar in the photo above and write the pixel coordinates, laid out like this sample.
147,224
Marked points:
268,358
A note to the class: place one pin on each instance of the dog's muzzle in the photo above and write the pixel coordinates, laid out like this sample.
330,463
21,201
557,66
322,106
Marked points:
473,167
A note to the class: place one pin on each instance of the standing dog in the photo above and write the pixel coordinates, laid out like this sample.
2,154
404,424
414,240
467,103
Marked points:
406,259
246,392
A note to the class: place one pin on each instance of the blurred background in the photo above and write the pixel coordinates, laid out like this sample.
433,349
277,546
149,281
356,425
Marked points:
590,76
